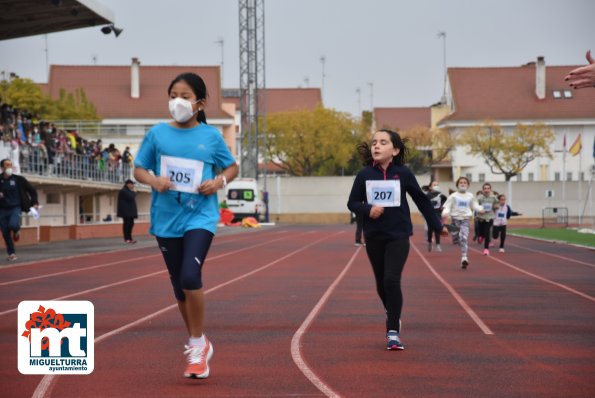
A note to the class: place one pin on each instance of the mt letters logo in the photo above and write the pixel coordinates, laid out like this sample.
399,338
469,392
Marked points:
56,337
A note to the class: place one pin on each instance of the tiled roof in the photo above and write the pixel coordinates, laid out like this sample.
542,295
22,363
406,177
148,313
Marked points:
509,94
108,88
282,99
402,118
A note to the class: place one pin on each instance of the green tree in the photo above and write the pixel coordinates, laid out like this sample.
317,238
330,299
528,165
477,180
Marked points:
74,106
26,95
508,153
427,147
311,142
362,133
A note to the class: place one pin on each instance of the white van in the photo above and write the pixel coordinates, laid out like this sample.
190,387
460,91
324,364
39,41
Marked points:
244,200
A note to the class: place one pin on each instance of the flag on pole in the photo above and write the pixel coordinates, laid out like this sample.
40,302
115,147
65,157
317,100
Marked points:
576,146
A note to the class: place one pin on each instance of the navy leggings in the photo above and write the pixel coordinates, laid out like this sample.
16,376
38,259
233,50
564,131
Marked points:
185,258
388,260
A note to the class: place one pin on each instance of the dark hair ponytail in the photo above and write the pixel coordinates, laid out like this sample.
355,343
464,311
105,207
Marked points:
198,87
365,151
201,116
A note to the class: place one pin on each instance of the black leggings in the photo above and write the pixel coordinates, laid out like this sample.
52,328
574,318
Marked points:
484,231
388,260
185,258
500,230
435,232
127,227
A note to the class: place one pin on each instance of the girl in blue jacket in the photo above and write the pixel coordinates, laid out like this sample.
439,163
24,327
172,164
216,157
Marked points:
378,195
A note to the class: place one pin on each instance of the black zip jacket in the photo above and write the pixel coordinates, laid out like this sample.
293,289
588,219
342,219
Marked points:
395,223
27,194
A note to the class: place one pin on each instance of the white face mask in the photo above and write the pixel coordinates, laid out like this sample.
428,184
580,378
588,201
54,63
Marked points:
462,189
181,109
436,188
8,171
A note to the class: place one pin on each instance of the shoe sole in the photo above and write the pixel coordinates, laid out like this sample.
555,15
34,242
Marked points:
205,374
394,347
464,264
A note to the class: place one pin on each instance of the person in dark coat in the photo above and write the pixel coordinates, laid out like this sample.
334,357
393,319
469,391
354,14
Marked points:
127,209
16,195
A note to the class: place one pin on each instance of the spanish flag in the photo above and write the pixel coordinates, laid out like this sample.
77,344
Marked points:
576,147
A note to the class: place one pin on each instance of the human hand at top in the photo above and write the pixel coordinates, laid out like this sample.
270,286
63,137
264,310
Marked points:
209,187
162,184
584,76
376,211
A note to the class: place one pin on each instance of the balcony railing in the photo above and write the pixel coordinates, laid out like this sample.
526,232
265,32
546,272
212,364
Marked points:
35,161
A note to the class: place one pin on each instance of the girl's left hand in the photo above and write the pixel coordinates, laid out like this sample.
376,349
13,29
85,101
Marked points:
209,187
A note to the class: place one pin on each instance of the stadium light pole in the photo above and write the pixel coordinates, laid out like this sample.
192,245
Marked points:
442,34
371,85
47,62
221,43
322,61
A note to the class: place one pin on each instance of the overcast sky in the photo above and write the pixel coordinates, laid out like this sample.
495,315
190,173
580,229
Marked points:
390,43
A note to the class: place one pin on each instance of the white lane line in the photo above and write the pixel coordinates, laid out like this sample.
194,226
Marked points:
553,255
146,276
297,337
143,245
77,270
484,328
541,278
46,384
99,265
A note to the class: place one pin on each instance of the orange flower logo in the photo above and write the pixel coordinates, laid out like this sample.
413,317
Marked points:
43,319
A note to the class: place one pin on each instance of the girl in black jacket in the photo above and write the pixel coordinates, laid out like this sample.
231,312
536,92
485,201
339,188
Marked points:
378,195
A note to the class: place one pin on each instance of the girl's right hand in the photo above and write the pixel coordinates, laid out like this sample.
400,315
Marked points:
376,211
162,184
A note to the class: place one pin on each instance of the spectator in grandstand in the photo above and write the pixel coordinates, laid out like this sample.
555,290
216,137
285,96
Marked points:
584,76
16,195
459,207
378,195
502,216
126,162
184,212
127,209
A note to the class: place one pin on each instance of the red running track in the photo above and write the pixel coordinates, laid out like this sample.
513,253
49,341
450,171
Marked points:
292,311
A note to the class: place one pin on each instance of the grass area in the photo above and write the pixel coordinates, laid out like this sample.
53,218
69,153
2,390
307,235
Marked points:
558,234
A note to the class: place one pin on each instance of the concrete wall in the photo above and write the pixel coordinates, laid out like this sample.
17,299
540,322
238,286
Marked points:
295,200
324,199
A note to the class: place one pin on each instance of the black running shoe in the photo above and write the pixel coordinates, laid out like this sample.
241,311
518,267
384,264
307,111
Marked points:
393,341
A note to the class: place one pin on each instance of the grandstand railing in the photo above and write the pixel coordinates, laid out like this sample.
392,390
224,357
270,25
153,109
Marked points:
34,161
96,129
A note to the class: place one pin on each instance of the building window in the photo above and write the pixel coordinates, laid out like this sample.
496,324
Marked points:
557,176
519,177
531,177
569,176
468,175
581,176
52,198
481,177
